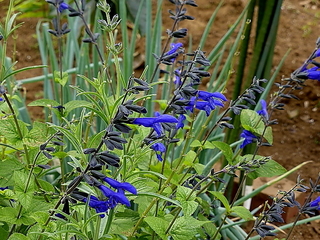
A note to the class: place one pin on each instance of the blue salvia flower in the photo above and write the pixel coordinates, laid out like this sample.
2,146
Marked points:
3,188
177,80
201,105
316,54
63,6
159,148
264,109
214,99
181,119
173,53
155,122
98,205
316,203
311,73
119,185
114,197
248,136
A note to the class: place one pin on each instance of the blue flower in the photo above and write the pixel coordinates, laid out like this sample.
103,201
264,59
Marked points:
316,54
159,148
114,197
172,54
3,188
316,203
177,80
181,119
63,6
155,122
248,136
98,205
264,109
118,185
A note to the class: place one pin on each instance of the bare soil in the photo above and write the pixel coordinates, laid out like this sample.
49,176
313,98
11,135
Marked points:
297,136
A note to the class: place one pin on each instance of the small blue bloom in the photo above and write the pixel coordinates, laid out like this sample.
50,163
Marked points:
63,6
264,109
118,185
173,48
155,122
159,148
248,136
316,54
181,119
117,197
98,205
172,53
201,105
316,203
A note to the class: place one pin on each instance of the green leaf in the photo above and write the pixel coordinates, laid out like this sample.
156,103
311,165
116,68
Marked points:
38,134
9,130
188,204
268,135
251,121
18,236
185,228
6,176
222,199
159,225
225,149
44,103
69,106
62,80
189,158
196,143
270,169
242,212
23,192
9,215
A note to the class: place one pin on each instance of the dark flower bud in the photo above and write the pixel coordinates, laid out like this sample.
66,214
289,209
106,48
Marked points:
140,82
181,33
44,166
89,150
1,37
43,146
49,156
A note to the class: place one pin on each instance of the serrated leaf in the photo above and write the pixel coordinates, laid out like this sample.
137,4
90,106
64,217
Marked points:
185,228
159,225
242,212
9,130
6,176
225,149
270,169
183,194
189,207
9,215
23,192
222,199
38,134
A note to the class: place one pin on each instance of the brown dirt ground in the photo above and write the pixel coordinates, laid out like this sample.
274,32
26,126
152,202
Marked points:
297,136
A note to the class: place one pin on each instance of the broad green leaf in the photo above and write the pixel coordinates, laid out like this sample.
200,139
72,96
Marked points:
69,106
270,169
185,194
40,217
189,158
242,212
251,121
18,236
6,177
209,227
44,103
38,134
9,215
196,143
159,225
186,197
225,149
9,130
23,188
222,199
185,228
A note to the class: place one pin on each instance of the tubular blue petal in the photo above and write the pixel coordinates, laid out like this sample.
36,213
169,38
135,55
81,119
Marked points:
248,136
315,203
181,119
118,185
